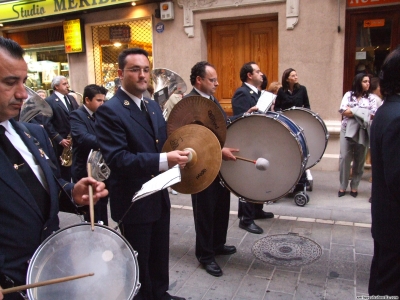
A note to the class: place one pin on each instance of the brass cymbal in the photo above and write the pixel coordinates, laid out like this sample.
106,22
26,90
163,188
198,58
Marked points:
198,110
205,160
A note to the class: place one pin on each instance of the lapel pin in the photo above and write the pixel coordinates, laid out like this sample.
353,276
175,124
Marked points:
41,152
27,134
126,102
251,92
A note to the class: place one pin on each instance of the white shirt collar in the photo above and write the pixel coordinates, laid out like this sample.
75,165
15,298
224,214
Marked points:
202,94
88,110
134,98
252,87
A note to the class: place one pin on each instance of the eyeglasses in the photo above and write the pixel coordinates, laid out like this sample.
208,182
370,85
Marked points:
138,70
213,80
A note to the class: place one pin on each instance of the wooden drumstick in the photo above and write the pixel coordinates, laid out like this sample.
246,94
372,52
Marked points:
245,159
91,204
43,283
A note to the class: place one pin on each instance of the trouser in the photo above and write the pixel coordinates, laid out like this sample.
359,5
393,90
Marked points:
350,151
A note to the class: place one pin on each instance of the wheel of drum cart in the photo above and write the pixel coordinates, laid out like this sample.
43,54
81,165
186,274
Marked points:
300,199
308,198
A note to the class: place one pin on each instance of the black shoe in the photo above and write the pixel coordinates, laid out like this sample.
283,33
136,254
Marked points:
263,215
252,228
226,250
213,269
354,194
341,194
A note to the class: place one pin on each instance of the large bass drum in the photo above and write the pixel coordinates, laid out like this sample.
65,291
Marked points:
77,250
314,129
271,136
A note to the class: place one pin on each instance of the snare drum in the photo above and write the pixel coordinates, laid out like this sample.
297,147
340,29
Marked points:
77,250
271,136
315,132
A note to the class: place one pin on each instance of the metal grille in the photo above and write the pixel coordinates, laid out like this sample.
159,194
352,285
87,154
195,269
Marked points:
106,54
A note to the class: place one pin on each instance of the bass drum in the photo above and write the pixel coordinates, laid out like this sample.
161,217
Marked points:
77,250
273,137
314,129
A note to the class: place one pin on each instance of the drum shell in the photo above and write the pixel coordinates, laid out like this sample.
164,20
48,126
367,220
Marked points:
271,136
314,129
77,250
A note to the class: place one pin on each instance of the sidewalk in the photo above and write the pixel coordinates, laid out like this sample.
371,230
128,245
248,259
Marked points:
340,226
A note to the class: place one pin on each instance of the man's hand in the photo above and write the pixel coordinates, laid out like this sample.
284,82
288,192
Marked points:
252,109
65,143
227,153
80,193
177,157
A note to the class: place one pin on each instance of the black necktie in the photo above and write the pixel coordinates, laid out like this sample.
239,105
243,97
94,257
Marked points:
145,112
67,103
25,172
93,117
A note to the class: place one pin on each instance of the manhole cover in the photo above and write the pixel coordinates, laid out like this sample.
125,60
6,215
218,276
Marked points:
289,250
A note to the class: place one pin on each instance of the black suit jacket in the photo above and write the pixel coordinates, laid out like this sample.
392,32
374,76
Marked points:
22,226
385,145
131,148
243,99
83,140
58,126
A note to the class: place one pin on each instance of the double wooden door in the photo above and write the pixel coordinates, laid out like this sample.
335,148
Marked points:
233,43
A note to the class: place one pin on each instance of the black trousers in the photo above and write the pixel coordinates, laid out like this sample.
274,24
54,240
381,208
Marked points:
211,217
247,211
384,277
151,241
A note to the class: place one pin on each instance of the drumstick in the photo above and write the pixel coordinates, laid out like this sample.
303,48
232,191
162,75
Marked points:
261,163
245,159
43,283
91,204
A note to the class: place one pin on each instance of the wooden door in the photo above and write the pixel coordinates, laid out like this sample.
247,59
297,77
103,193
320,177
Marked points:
233,43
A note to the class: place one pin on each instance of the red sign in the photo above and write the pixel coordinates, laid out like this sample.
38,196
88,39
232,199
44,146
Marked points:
360,3
374,23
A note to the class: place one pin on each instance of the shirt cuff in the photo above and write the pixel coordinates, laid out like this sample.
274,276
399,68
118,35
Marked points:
163,165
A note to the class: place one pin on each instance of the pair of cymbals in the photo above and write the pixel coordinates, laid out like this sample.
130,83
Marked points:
196,124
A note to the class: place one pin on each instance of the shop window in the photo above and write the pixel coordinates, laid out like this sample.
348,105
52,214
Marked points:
106,48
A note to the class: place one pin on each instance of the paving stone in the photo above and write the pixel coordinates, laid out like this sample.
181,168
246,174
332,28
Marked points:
262,269
280,227
252,287
362,280
273,295
364,246
322,234
284,281
362,233
339,289
191,293
342,235
309,291
363,263
341,269
342,252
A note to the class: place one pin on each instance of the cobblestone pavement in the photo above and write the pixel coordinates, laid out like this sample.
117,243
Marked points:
340,226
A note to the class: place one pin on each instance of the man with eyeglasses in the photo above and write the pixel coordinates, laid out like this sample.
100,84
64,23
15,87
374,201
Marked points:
210,206
131,131
246,97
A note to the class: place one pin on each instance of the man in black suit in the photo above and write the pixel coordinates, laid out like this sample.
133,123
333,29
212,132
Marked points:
30,194
131,131
385,144
210,206
245,98
58,126
84,140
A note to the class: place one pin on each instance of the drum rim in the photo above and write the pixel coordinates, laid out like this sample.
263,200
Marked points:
305,157
136,285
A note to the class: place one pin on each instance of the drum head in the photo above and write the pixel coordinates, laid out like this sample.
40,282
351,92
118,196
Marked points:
262,136
315,132
77,250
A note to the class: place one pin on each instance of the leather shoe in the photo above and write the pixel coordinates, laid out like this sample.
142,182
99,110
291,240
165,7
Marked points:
263,215
341,194
213,269
252,228
354,194
226,250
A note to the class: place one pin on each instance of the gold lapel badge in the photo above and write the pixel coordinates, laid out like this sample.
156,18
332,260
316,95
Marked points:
126,102
42,154
251,92
28,135
17,166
